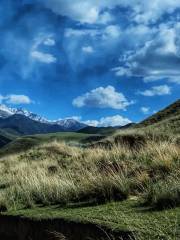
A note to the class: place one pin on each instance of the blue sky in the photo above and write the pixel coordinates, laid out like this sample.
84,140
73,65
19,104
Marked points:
104,62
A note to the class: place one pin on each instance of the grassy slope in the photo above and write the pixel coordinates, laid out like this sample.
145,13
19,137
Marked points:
106,131
167,126
6,136
24,143
118,216
49,172
167,119
128,214
98,130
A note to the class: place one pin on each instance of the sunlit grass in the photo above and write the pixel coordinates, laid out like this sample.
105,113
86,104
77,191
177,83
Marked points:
57,173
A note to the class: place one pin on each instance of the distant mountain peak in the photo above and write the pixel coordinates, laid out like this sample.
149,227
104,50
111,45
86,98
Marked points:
71,124
5,111
66,124
31,115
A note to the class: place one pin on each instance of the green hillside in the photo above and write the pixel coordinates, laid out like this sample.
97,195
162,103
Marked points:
6,136
98,130
21,144
126,179
118,187
106,131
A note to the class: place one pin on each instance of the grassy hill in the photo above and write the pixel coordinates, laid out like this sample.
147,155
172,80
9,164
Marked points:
106,131
163,124
124,189
6,136
166,119
21,144
98,130
128,180
4,140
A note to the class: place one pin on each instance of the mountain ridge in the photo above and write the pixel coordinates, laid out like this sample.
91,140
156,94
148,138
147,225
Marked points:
68,124
171,111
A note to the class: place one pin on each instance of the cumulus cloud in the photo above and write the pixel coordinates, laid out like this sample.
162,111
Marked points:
15,99
76,118
145,110
102,97
93,123
159,58
149,12
112,31
43,57
39,55
83,11
105,18
157,91
87,49
112,121
49,41
70,32
91,11
108,32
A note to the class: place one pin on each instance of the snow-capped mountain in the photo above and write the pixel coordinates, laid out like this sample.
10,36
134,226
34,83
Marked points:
66,124
30,115
5,111
71,124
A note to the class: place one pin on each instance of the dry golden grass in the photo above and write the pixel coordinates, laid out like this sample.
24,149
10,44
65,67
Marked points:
57,173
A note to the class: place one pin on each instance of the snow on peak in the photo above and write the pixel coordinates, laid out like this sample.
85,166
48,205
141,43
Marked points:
67,124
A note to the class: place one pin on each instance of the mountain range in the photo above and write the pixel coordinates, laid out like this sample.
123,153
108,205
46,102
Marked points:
24,122
19,122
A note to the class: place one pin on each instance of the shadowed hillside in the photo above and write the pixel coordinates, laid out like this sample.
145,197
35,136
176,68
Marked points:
25,126
166,121
104,130
172,111
21,144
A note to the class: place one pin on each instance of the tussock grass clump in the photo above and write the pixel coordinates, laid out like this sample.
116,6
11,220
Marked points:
56,173
164,193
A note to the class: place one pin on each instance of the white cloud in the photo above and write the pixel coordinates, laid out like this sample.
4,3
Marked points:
43,39
87,49
102,98
151,11
16,99
83,11
145,110
112,31
93,123
113,121
40,56
158,59
77,118
105,18
43,57
157,91
70,32
49,42
90,11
